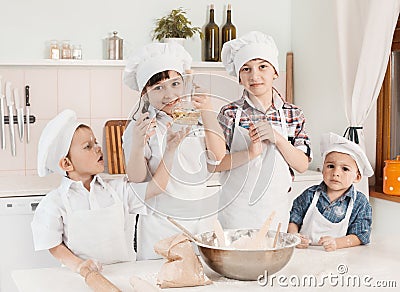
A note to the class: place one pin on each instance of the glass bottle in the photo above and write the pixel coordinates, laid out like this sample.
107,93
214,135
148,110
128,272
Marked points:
54,50
66,52
228,30
211,39
77,52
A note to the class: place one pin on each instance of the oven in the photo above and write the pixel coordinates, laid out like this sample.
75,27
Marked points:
18,202
16,244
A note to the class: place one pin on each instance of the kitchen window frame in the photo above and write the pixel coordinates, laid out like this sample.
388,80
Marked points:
383,125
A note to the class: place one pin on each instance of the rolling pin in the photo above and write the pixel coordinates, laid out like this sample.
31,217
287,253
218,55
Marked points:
97,281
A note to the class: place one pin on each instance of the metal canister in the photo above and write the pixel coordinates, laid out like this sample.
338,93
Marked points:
115,47
391,177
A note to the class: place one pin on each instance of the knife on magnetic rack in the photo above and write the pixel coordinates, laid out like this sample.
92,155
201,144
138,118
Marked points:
27,110
20,115
10,104
2,127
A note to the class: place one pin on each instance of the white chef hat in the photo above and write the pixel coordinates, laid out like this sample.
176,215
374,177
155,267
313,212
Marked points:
55,141
331,142
154,58
253,45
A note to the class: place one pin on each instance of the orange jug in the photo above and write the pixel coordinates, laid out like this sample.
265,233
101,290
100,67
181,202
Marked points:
391,177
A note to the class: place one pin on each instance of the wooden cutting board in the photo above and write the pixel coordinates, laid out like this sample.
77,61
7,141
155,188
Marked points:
115,156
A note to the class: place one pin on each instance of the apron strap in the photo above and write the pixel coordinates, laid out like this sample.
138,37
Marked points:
283,123
351,204
238,116
315,200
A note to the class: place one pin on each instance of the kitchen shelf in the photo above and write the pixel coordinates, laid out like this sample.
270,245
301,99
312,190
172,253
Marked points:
380,195
93,63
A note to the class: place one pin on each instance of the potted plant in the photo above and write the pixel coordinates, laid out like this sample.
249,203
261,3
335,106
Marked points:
175,25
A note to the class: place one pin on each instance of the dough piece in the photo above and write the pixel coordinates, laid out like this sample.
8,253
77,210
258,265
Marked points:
183,268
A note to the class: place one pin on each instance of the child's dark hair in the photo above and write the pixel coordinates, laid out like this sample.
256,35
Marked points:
152,81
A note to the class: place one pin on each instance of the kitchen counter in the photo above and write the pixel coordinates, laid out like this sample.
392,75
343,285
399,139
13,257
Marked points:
31,185
19,185
373,265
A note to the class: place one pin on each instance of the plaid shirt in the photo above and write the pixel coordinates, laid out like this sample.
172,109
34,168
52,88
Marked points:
360,218
295,119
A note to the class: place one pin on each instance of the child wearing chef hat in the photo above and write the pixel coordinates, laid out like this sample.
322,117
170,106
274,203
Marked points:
334,214
84,221
258,123
156,71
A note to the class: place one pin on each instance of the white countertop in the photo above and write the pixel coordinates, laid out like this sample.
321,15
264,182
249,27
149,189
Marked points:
32,185
308,175
19,185
376,262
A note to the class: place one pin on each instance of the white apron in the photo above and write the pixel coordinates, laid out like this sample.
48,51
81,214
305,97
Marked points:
183,198
99,234
315,225
238,185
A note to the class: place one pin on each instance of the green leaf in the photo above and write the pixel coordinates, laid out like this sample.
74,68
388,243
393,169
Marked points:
175,24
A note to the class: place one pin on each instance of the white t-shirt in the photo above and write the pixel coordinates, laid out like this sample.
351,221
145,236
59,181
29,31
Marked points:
49,225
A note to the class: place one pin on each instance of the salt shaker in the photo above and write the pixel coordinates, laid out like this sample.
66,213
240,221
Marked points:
77,52
66,52
54,50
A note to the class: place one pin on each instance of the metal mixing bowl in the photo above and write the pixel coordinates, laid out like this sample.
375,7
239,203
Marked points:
244,264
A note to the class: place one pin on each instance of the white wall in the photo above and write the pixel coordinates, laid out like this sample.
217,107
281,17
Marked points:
305,27
27,26
317,86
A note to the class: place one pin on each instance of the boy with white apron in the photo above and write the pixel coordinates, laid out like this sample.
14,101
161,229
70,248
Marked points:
85,221
157,72
334,214
265,135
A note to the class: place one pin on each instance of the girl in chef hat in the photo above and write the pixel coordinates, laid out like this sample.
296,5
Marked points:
266,127
334,214
157,71
85,218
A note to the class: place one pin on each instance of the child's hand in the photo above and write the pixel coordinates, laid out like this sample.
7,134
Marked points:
143,129
328,242
201,99
175,138
255,149
305,241
87,266
262,131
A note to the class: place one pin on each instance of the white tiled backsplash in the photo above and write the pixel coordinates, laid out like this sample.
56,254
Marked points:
96,93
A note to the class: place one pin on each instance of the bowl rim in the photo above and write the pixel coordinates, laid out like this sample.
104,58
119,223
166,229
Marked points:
198,243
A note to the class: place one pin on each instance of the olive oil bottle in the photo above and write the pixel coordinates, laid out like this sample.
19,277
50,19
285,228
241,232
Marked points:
211,39
228,30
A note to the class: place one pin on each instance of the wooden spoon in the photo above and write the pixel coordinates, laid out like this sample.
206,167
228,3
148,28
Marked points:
184,230
219,233
259,238
277,235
